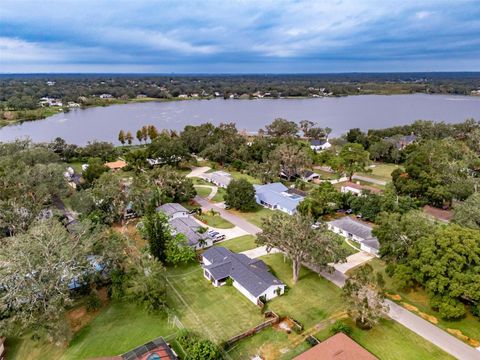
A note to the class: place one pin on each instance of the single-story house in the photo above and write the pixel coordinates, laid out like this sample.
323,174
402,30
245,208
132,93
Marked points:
357,231
401,142
250,276
277,196
173,210
116,165
320,144
191,229
310,175
157,349
336,347
181,222
219,178
358,189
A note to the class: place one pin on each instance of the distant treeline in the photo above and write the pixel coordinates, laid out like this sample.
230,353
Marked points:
20,92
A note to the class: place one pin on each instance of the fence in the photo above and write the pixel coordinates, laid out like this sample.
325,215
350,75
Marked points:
273,319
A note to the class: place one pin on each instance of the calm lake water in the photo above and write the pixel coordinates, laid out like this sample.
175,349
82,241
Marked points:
341,114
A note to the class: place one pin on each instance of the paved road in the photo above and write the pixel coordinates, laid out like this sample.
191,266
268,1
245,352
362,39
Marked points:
369,179
234,219
425,329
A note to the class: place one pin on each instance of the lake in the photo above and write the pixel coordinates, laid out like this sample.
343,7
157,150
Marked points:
341,114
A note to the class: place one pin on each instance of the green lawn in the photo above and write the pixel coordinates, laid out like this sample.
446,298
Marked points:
381,172
216,313
469,325
215,221
203,191
239,244
220,195
118,329
256,216
236,174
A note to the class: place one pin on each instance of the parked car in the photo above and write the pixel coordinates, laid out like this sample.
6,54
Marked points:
219,238
349,211
316,225
359,216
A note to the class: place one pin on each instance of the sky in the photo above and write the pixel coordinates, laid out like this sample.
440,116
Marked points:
268,36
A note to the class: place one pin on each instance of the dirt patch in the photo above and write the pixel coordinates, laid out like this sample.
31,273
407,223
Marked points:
80,317
409,307
269,352
428,317
474,343
395,297
459,334
285,325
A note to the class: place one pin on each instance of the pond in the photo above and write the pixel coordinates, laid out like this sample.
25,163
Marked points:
341,114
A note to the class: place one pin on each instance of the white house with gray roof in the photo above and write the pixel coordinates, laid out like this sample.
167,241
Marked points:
181,222
250,276
277,196
354,230
219,178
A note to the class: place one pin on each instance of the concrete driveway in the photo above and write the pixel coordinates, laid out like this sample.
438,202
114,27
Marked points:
259,251
353,261
197,171
229,233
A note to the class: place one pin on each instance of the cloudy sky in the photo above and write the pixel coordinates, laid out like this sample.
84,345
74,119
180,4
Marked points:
239,36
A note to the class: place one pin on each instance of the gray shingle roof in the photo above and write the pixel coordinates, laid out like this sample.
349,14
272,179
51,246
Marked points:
318,142
252,274
189,227
356,228
171,208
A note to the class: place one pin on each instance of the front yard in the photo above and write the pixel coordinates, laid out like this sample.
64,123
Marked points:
214,220
239,244
256,216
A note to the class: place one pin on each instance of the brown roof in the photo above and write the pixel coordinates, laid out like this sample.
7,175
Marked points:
361,187
116,164
337,347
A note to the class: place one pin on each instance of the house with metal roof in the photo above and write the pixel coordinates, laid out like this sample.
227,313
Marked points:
357,231
219,178
250,276
277,196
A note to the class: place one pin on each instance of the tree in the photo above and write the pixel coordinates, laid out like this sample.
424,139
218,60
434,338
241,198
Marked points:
171,151
96,167
446,263
321,201
353,159
174,185
37,268
468,213
139,135
144,131
204,350
156,230
357,136
291,159
282,128
197,138
295,237
398,233
240,195
121,137
129,138
147,286
152,132
178,250
364,298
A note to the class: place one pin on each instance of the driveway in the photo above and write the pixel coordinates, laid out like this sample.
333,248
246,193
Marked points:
353,261
213,189
229,233
259,251
234,219
197,171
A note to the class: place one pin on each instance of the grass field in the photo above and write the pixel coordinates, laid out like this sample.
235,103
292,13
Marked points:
220,195
381,172
256,216
216,313
239,244
203,191
215,221
469,325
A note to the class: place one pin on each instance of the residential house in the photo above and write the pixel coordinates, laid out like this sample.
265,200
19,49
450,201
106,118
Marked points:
357,231
336,347
154,350
401,142
219,178
106,96
141,96
277,196
310,176
173,210
320,144
250,276
358,189
116,165
182,222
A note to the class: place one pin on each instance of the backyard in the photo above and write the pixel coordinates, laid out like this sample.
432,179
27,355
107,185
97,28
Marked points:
381,172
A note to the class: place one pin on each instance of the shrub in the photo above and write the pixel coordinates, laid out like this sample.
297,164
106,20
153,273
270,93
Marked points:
340,327
229,281
93,302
